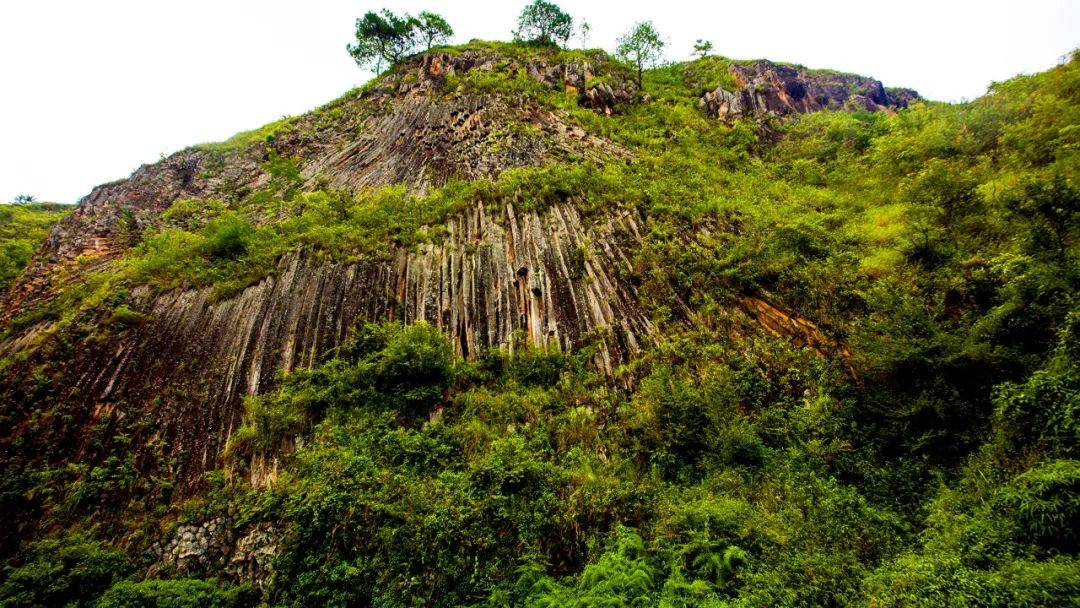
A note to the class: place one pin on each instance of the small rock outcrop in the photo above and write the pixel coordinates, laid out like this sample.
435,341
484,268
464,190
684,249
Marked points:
764,88
214,547
604,95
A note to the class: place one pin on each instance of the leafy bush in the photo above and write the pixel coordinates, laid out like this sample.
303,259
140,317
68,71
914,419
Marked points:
70,571
176,593
1045,503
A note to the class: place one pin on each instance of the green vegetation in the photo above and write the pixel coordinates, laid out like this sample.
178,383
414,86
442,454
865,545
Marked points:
937,465
22,227
702,48
384,37
177,593
641,47
243,140
543,23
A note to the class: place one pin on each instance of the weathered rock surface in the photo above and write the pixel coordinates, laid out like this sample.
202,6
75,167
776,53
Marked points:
215,548
767,88
553,277
572,76
407,130
194,548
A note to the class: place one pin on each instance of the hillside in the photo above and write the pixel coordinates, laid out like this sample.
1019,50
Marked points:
503,328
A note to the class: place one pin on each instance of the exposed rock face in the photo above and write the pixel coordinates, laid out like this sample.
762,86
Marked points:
406,130
767,88
253,555
800,331
112,216
572,76
551,276
195,547
214,547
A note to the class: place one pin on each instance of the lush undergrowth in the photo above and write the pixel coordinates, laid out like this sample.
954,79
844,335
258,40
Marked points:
936,466
22,228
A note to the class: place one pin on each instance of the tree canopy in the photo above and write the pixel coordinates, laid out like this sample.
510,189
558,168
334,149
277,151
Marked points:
702,47
544,23
433,29
642,47
384,38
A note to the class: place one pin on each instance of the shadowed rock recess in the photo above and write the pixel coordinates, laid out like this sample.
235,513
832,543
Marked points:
500,275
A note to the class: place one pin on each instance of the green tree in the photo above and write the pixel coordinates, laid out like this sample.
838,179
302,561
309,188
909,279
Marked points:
642,47
544,23
1051,208
383,37
702,47
433,29
584,32
24,199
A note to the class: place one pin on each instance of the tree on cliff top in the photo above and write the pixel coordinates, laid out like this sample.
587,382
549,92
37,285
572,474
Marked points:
544,23
433,29
642,47
386,37
702,47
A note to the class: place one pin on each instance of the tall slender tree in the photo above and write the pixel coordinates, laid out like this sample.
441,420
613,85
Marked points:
433,29
584,32
642,47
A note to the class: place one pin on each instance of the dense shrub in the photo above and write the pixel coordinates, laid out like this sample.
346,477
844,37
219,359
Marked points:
70,571
176,593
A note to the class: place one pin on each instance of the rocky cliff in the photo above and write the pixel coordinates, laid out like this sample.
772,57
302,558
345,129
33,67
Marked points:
550,277
494,276
406,127
767,88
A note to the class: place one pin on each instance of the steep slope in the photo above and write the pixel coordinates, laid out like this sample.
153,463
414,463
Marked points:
550,340
494,273
762,88
402,128
554,276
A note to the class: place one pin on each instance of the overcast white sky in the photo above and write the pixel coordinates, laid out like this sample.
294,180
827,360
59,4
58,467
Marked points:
89,90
